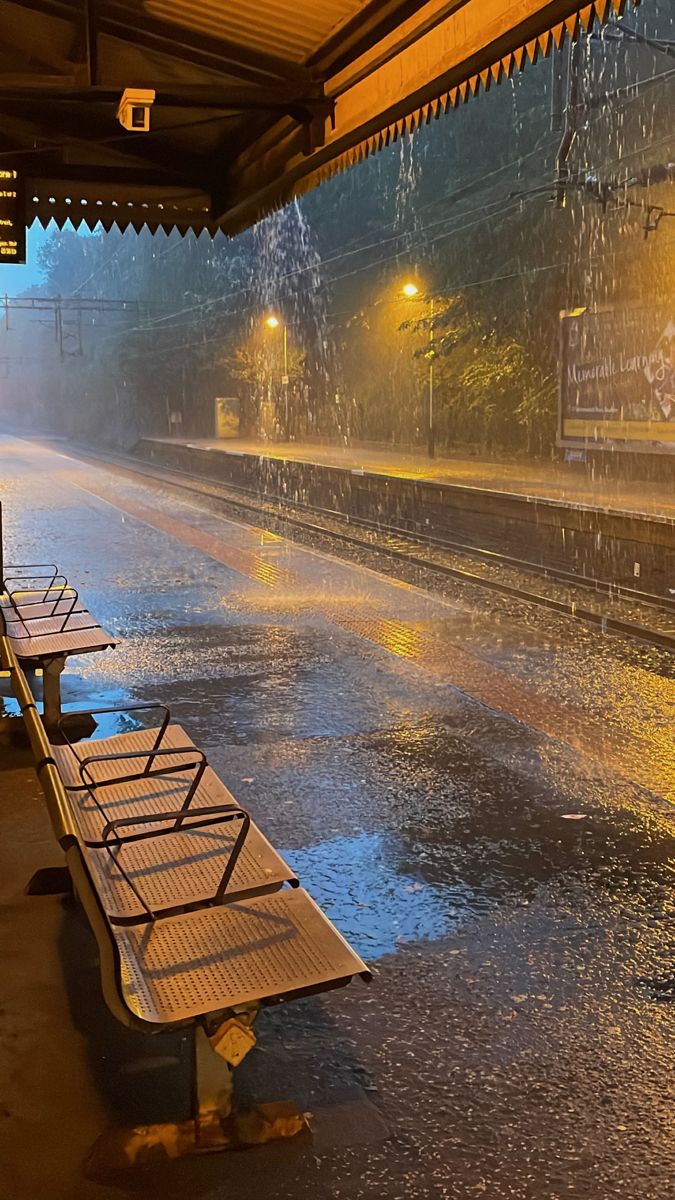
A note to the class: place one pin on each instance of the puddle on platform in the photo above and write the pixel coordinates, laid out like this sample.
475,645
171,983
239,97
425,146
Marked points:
377,908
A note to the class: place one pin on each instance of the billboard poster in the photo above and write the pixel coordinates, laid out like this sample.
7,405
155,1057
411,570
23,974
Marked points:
617,379
227,417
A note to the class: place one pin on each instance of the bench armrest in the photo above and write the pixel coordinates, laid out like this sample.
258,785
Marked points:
215,815
148,706
32,567
32,603
44,592
147,772
199,766
30,570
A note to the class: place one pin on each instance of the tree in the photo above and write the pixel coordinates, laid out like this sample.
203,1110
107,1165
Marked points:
484,382
270,405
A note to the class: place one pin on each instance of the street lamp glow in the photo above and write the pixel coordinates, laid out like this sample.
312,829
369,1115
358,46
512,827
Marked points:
272,322
410,290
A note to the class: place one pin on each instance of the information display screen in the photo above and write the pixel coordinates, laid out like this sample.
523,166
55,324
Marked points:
617,379
12,216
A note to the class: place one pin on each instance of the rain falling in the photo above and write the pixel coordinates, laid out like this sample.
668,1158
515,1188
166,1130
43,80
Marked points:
337,536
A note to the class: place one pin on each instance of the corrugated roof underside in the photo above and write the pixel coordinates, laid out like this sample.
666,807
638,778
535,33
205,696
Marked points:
290,29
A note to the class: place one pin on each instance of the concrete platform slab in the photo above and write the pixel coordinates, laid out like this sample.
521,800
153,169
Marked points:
547,480
419,772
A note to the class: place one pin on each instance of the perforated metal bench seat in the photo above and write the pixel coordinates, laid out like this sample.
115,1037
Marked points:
265,950
38,608
81,636
118,798
213,957
24,630
181,868
69,757
50,619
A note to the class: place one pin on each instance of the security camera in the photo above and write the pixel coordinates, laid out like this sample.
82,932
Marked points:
133,112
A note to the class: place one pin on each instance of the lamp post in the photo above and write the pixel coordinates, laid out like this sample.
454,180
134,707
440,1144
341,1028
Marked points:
410,290
273,322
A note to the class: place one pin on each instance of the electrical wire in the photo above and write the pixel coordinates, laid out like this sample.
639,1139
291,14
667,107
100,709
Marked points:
352,249
466,285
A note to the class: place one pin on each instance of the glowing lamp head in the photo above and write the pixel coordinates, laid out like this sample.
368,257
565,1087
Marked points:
272,322
410,290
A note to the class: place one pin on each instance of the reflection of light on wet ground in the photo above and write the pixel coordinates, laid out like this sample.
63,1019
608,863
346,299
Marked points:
301,598
617,735
263,536
399,638
356,881
265,571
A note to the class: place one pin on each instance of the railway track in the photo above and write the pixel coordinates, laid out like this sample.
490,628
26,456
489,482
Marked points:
651,618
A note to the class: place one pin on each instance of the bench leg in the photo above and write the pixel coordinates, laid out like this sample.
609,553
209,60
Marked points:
213,1085
51,690
216,1123
219,1124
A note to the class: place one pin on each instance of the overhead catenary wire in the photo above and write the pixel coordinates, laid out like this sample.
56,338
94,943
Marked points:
456,219
384,260
208,304
353,248
505,209
465,285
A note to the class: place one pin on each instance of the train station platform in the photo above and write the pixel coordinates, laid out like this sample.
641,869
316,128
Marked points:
481,802
571,483
552,516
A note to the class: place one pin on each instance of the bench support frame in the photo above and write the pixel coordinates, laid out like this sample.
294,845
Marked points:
216,1123
52,669
213,1090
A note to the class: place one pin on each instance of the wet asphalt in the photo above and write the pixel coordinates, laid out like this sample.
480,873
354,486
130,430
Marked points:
481,802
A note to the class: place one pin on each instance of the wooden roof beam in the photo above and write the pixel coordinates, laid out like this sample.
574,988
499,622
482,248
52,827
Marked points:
441,48
366,28
282,98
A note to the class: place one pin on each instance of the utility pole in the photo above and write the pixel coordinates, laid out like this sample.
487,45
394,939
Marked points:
570,126
285,382
431,433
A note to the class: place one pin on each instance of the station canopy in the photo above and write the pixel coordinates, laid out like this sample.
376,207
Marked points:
255,100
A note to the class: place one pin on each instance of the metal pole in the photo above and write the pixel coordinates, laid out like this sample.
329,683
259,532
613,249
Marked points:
285,382
571,121
431,438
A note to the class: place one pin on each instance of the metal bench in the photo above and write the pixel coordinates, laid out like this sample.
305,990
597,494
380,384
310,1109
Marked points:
159,830
199,921
46,622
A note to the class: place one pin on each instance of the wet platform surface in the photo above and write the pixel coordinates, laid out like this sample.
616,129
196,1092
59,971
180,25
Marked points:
481,802
571,483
